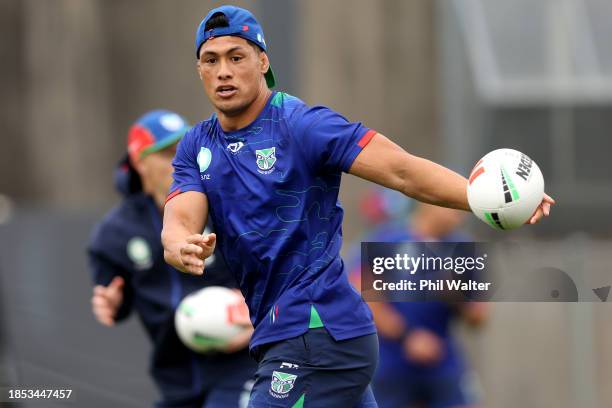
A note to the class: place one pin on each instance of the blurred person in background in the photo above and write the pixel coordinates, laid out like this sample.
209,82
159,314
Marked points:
421,364
126,259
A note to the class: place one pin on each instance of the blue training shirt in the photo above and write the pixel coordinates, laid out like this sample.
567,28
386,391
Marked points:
272,189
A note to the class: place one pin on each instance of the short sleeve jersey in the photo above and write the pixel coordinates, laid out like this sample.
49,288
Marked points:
272,189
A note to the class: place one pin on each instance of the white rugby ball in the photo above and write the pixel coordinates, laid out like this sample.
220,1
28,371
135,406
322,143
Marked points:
206,320
505,189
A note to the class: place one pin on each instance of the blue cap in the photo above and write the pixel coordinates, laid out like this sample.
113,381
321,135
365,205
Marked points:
242,23
154,131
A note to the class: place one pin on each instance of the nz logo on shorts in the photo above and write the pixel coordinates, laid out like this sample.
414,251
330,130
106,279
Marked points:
281,384
265,160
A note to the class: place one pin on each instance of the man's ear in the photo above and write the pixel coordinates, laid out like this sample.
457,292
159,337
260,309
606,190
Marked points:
265,62
198,69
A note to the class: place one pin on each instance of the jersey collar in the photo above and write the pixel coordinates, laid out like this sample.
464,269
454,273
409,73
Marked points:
253,127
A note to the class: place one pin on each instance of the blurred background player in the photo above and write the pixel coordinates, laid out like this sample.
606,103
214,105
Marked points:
421,364
129,271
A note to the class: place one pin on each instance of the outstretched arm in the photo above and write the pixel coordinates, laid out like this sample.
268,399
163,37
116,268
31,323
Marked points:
185,247
387,164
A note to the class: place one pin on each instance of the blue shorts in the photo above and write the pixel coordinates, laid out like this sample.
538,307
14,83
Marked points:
315,371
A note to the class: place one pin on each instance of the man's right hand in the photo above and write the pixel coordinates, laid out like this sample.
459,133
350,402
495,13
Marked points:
197,248
106,301
185,216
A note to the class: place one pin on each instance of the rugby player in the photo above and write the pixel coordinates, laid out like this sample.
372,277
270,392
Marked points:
267,168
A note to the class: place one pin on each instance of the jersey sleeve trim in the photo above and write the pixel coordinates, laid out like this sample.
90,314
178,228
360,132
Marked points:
357,148
173,194
365,139
183,189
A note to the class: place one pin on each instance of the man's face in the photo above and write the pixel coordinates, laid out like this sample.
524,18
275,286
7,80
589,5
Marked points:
232,73
156,170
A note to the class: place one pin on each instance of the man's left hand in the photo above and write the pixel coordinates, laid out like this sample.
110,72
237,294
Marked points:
543,209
